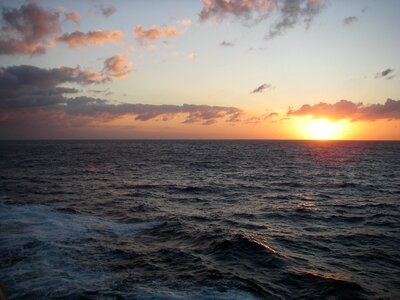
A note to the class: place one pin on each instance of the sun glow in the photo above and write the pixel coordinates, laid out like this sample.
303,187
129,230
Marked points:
321,129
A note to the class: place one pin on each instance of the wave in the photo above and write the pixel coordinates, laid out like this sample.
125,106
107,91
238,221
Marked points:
50,253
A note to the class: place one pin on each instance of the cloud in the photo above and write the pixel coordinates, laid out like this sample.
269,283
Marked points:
153,33
192,56
227,44
350,20
388,74
117,66
217,9
29,86
261,88
28,89
98,37
261,118
185,22
28,29
345,109
289,12
144,112
106,11
72,16
293,12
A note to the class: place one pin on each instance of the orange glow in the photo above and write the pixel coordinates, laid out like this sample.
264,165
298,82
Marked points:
321,129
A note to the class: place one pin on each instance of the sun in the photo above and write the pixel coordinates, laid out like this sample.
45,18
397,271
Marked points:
321,129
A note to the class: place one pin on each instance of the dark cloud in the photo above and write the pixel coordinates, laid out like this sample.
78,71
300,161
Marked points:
106,11
217,9
28,86
345,109
227,44
289,12
350,20
388,74
28,29
144,112
29,89
261,88
293,12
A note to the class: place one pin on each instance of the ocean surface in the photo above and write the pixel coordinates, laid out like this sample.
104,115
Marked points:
200,220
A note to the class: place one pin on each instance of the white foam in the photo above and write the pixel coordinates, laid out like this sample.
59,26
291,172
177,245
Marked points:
47,224
45,251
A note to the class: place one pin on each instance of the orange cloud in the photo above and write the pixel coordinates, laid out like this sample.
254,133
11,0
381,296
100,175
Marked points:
185,22
154,33
345,109
73,16
117,66
98,37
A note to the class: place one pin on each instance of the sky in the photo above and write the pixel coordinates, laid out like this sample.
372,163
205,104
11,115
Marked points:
200,69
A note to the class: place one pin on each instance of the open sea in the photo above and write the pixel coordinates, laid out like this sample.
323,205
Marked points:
200,220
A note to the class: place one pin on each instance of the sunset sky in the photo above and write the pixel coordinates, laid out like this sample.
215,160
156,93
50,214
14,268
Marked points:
232,69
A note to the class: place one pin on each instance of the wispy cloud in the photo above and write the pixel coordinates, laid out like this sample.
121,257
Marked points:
217,9
192,56
227,44
184,22
142,34
72,16
106,11
261,88
350,20
289,12
345,109
98,37
29,29
261,118
388,74
293,12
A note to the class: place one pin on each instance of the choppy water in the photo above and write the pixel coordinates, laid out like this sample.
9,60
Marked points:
200,220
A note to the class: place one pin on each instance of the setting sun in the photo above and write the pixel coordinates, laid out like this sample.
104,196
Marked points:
321,129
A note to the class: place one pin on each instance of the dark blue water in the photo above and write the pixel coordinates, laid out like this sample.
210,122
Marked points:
200,220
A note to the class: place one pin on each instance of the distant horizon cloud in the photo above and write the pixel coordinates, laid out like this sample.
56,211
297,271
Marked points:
387,73
261,88
227,44
345,109
290,13
98,37
142,34
349,20
32,90
28,30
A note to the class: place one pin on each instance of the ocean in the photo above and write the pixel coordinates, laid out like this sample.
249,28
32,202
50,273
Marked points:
200,219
